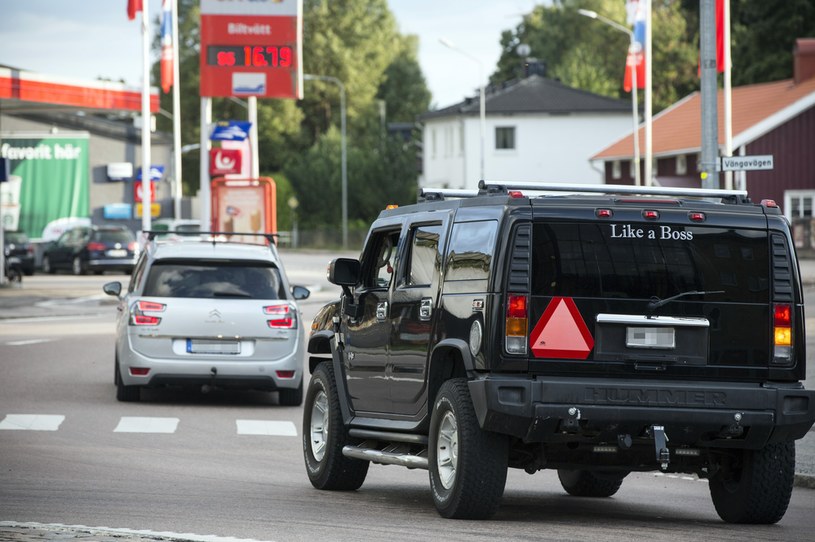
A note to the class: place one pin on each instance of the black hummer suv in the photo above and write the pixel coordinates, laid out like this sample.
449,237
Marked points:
619,329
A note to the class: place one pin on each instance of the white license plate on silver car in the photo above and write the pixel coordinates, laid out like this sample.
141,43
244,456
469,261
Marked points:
650,337
199,346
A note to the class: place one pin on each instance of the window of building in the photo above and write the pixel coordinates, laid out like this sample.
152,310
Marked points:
799,203
616,169
681,165
505,137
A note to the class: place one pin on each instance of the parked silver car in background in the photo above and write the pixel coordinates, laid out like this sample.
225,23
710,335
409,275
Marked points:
212,314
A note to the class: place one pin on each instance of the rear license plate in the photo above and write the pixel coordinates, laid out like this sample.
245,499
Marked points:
198,346
116,253
650,337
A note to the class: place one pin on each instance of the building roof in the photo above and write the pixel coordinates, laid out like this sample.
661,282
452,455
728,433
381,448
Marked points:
757,109
533,94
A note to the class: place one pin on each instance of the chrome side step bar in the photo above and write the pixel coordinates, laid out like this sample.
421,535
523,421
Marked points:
391,455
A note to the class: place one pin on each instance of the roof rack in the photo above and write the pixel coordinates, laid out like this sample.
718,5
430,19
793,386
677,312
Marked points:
213,235
615,189
438,194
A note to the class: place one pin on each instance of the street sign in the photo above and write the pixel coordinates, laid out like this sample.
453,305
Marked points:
231,130
746,163
251,48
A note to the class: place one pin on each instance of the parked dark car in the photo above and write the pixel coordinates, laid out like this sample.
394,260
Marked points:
17,244
92,249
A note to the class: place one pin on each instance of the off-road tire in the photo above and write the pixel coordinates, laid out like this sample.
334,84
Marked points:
125,394
324,436
584,483
468,466
757,489
291,396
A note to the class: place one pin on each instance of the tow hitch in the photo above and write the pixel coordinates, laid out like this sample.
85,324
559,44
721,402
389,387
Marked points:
661,445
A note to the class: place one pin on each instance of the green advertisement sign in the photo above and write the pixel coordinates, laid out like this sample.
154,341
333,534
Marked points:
49,180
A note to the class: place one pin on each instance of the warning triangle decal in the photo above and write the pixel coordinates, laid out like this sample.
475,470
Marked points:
561,332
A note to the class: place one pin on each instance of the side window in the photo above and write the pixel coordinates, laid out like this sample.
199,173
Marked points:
138,271
424,258
382,266
471,248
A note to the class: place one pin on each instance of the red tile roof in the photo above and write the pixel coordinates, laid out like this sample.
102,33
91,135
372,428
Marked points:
678,128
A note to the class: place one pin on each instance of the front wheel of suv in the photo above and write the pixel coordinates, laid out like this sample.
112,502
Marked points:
468,466
757,487
324,436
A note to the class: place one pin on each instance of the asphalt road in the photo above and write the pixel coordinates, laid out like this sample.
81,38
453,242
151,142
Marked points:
185,462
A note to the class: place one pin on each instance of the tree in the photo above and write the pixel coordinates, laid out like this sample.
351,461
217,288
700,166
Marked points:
404,89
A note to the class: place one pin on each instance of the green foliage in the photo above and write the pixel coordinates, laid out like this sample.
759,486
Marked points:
404,89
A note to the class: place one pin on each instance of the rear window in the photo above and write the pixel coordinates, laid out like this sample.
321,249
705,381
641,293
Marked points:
210,280
640,261
16,238
470,253
113,236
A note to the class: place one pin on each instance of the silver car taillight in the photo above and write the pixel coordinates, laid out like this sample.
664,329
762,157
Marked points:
138,310
282,316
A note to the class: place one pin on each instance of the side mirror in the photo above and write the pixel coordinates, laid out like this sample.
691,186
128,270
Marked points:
344,272
300,292
113,288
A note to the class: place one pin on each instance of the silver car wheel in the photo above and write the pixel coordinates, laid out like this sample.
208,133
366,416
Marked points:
77,266
447,450
318,425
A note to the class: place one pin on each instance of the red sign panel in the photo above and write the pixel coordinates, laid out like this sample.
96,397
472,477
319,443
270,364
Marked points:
224,161
251,48
561,332
138,196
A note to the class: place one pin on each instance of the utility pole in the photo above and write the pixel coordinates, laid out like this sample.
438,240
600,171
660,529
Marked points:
709,90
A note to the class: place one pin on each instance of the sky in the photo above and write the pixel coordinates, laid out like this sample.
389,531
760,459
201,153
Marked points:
88,39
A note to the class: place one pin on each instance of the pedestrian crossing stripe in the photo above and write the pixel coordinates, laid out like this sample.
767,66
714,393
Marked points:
146,424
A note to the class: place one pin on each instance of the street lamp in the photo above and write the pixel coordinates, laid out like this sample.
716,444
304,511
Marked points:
632,45
309,77
450,45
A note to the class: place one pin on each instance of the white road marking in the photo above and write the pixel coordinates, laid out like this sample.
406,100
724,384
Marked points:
266,428
135,424
31,422
59,530
27,342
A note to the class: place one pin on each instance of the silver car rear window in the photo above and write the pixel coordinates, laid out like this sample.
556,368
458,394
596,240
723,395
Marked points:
215,279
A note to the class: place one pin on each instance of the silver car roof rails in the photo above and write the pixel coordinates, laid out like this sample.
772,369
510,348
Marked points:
213,236
735,196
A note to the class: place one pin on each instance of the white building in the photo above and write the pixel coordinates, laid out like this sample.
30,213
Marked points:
537,129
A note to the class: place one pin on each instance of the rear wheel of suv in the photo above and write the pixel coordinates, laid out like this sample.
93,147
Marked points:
757,488
127,394
324,436
583,483
468,466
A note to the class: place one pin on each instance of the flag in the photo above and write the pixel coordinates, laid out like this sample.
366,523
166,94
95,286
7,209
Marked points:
133,7
635,11
166,45
720,36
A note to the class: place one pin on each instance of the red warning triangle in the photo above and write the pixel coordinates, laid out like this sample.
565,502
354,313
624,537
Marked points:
561,332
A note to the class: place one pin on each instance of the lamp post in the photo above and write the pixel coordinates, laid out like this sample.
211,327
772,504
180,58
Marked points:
632,44
344,166
483,114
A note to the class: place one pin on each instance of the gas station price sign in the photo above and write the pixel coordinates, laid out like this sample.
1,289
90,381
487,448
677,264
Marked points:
251,48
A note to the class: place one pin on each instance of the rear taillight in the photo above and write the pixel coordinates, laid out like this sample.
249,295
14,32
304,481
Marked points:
132,246
282,316
95,246
138,316
782,334
516,324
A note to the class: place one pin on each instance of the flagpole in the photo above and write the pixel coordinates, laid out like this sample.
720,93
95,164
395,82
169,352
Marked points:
728,95
649,151
176,115
146,173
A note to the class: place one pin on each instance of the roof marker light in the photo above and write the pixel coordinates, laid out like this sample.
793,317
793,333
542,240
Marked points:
650,215
604,213
769,203
696,216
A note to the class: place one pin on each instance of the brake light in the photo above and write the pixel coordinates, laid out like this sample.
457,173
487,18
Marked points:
138,316
782,334
132,246
650,215
517,324
95,246
283,316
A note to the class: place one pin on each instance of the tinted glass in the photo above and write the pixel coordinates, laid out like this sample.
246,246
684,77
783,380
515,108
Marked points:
471,247
424,254
624,261
14,237
113,236
216,279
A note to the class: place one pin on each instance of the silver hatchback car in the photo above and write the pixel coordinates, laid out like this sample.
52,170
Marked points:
211,314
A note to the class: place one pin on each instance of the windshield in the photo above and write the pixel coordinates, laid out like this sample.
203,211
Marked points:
216,279
619,261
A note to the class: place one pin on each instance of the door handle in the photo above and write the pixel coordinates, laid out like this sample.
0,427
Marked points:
426,309
382,310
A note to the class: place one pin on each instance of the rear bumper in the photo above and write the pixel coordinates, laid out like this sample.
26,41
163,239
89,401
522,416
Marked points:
125,264
703,414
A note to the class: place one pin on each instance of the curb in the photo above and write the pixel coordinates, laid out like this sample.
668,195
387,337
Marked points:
804,480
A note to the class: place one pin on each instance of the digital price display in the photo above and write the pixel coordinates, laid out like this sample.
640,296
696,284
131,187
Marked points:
256,56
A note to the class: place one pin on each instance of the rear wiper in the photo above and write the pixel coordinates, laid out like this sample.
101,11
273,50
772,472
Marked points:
656,302
231,294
